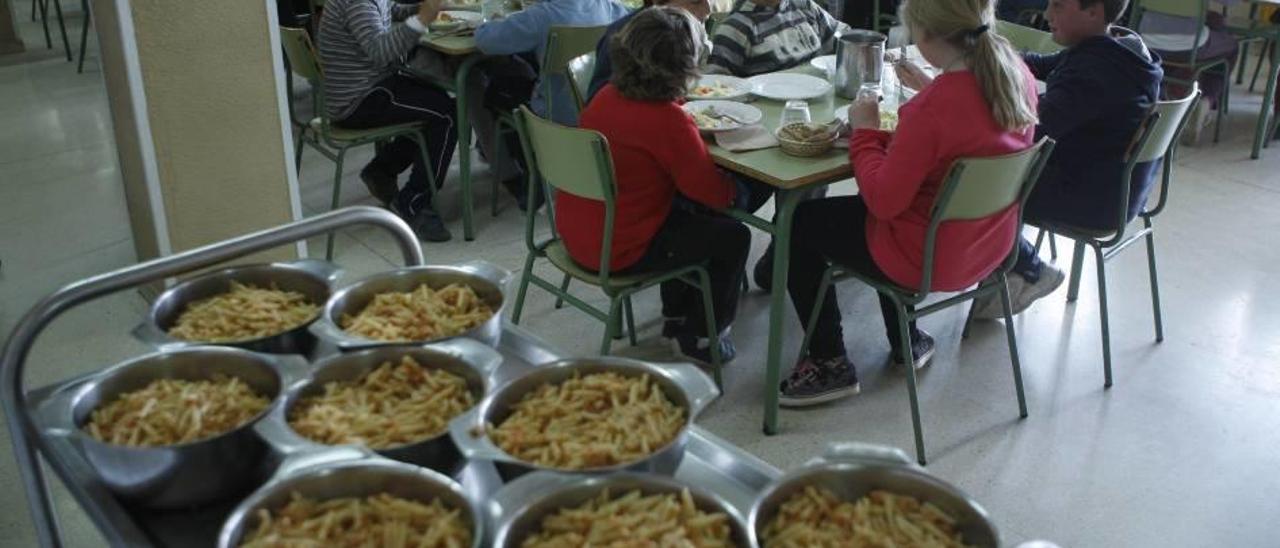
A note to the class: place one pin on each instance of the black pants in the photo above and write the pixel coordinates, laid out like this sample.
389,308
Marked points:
399,99
832,230
860,13
687,238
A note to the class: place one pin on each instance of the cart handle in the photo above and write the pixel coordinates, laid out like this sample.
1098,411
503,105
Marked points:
13,360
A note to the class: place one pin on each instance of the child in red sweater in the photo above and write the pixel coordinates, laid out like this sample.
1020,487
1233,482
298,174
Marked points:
657,154
983,104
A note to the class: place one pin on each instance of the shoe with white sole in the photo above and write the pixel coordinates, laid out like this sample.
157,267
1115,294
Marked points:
814,382
1051,278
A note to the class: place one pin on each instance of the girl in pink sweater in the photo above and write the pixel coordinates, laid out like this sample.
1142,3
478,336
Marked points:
983,104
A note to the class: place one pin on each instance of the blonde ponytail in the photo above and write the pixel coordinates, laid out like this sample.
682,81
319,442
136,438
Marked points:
991,59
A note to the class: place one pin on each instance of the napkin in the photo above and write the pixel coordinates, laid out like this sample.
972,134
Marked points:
754,137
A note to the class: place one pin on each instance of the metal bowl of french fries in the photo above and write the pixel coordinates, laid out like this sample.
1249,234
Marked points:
176,428
588,416
260,307
806,139
395,400
868,495
417,305
631,509
343,497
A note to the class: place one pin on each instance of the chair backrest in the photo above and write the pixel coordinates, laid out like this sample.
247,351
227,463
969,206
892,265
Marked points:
1180,8
555,155
580,72
564,45
1157,139
301,53
979,187
1027,38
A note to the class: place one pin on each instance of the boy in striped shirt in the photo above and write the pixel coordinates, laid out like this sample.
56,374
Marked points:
762,36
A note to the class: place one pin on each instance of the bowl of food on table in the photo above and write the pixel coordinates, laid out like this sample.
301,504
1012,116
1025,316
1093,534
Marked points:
395,400
869,496
260,307
719,87
417,305
455,19
176,428
588,416
806,138
715,116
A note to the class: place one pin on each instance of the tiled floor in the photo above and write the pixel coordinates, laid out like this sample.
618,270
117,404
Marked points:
1181,452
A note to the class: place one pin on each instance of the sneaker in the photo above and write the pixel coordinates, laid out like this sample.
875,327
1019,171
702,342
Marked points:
1027,293
763,271
426,224
987,307
698,349
381,186
922,349
813,382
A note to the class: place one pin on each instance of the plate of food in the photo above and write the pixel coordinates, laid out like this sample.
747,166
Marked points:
717,116
786,86
888,117
718,86
452,19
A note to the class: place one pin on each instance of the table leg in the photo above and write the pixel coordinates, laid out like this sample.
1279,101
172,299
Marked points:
464,146
1262,136
786,201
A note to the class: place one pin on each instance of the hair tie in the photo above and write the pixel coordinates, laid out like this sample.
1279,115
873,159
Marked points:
980,30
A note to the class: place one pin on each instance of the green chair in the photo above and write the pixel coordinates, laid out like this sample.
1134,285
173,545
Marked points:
1197,11
556,156
974,188
1027,38
333,142
881,20
1156,140
564,46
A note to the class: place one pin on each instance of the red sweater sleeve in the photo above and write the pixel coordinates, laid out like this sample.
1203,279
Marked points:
891,167
686,156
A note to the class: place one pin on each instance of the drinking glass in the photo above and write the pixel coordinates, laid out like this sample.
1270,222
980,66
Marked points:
794,112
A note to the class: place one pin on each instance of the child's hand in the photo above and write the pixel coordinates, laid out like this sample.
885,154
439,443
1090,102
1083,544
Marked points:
428,10
911,75
864,113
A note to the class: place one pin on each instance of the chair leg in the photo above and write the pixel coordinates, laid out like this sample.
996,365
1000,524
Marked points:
1013,344
612,325
62,27
44,22
564,287
1053,247
713,334
337,195
1155,284
1077,262
525,276
84,34
1257,69
1242,63
823,287
631,320
904,336
297,152
1106,320
1039,240
1224,104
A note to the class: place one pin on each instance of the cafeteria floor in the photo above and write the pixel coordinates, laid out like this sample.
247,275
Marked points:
1181,452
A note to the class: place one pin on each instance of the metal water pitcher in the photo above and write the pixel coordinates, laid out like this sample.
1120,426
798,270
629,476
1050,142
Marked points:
859,62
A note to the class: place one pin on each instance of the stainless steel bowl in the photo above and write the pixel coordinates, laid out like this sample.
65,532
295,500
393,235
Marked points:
348,472
188,474
309,277
488,281
686,386
465,358
520,507
852,470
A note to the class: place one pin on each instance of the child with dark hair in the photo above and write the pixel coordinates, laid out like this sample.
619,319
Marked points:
658,155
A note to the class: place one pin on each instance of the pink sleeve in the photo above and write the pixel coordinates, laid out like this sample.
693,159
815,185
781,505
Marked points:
890,170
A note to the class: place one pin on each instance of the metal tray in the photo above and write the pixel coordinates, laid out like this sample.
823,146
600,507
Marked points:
710,463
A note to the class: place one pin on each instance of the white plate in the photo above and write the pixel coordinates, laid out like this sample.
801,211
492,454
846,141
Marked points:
726,88
888,118
785,86
470,18
826,63
744,113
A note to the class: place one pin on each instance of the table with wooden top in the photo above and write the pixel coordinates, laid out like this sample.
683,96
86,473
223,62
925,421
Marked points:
791,177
